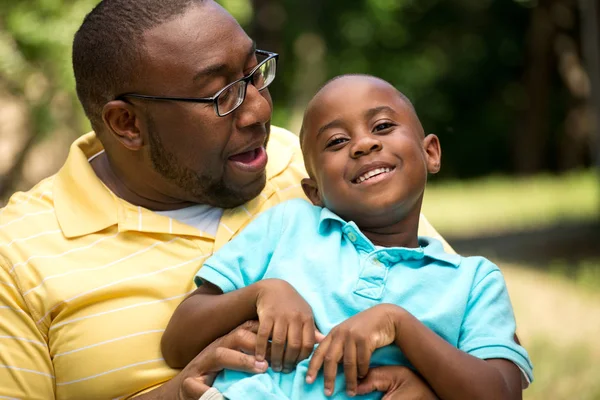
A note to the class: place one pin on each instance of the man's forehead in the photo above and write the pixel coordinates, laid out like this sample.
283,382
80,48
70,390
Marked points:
202,28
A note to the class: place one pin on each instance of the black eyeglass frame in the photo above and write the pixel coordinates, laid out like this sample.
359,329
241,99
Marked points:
213,99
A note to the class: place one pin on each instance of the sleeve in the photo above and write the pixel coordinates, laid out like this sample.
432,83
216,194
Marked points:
244,260
26,370
426,229
488,329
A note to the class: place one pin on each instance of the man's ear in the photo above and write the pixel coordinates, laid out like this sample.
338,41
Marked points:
433,153
122,121
311,190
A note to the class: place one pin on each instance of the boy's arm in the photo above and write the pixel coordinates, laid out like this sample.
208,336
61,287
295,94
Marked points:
203,317
452,373
487,363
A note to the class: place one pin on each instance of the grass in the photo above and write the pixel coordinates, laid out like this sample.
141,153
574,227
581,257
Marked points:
493,204
559,324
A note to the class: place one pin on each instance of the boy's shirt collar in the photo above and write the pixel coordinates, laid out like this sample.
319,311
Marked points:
428,247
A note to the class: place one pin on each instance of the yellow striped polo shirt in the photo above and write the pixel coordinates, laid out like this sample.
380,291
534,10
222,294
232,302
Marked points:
89,281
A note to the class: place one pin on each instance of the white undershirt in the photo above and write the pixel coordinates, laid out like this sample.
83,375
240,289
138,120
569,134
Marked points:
201,216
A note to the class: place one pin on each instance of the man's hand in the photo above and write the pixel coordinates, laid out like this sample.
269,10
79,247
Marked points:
287,319
354,340
231,351
398,383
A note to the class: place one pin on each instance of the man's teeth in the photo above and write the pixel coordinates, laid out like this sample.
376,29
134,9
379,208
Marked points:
371,174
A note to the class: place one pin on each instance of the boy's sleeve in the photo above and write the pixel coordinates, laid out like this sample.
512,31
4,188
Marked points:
488,329
26,370
244,260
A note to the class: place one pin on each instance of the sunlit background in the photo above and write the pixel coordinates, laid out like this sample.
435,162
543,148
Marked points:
511,87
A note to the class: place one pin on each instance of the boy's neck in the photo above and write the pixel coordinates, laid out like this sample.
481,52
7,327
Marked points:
403,233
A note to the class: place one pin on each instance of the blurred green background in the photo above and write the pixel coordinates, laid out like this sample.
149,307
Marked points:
511,87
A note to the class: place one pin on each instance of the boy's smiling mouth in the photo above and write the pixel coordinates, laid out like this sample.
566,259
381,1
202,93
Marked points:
370,172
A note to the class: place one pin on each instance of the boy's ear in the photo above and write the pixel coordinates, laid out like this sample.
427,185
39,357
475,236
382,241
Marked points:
433,153
311,190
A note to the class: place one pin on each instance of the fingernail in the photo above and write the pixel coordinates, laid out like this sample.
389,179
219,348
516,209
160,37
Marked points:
261,365
328,392
351,393
309,379
276,368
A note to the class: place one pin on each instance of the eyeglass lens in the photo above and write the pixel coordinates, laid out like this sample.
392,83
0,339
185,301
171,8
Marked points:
231,98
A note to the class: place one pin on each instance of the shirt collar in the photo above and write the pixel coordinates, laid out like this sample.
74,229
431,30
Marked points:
428,247
84,205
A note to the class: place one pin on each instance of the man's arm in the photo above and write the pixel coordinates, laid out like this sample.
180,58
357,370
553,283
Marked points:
232,351
26,370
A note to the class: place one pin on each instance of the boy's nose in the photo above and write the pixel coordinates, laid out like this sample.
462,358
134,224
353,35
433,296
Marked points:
366,146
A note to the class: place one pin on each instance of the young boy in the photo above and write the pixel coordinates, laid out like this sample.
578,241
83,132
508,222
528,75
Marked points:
381,294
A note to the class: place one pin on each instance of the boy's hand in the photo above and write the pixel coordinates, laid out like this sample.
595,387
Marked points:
354,340
287,319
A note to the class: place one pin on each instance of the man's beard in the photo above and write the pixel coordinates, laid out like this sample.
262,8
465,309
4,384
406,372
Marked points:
202,188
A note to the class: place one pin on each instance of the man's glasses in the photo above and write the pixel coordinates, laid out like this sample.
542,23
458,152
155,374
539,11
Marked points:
226,100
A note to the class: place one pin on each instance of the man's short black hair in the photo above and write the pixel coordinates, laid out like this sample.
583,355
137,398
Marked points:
108,48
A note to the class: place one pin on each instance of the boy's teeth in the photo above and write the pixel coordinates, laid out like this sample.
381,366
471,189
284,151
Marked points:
371,174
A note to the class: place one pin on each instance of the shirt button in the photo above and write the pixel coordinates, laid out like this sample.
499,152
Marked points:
352,237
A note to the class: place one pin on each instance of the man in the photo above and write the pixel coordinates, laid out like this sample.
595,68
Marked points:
94,260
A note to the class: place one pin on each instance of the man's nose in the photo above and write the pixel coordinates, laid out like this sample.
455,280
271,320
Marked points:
255,109
366,145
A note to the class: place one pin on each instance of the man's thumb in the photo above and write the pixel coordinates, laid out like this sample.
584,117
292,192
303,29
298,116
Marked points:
377,380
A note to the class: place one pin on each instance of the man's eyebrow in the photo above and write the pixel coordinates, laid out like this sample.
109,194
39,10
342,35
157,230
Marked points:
219,69
370,113
336,123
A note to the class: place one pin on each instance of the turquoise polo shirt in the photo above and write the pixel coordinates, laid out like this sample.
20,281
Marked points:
340,273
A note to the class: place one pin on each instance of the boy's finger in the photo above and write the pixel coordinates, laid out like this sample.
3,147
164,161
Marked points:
363,355
278,344
350,368
316,362
330,367
308,342
262,338
292,347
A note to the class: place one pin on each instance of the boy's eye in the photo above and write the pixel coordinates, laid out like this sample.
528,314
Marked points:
335,141
382,126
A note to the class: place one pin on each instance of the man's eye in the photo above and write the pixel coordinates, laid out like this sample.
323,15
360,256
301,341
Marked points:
335,142
382,126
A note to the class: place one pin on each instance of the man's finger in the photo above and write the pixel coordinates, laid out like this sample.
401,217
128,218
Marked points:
240,339
224,358
192,388
251,326
380,379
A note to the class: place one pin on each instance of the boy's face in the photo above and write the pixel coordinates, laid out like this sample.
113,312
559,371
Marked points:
366,152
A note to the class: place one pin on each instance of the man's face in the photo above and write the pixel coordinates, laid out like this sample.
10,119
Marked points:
200,157
364,147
